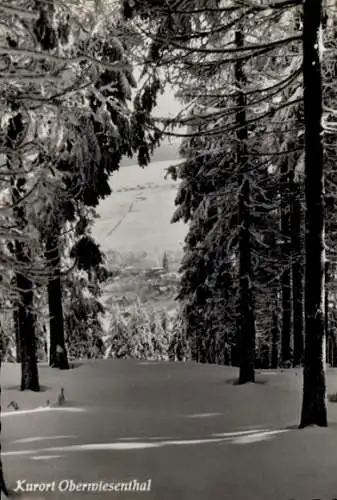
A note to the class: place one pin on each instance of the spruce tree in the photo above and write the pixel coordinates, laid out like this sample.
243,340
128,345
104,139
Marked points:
201,75
314,410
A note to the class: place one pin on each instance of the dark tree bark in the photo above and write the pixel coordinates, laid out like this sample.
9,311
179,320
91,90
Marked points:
29,370
235,347
46,35
246,307
24,319
332,349
57,353
3,487
17,333
26,324
326,311
286,278
297,272
314,409
275,335
211,349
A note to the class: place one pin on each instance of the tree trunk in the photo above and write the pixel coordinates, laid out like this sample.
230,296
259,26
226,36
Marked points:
314,408
326,311
29,370
330,351
246,308
24,319
17,333
57,354
286,333
26,326
235,347
211,349
333,351
275,336
297,272
3,487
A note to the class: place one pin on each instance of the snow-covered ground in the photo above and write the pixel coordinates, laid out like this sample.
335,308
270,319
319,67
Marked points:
187,428
136,218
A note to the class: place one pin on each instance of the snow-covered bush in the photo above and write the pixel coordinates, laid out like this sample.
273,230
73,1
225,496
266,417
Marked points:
82,316
179,349
142,332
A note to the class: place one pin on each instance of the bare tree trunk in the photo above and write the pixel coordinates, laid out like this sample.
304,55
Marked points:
297,272
286,277
326,311
3,487
235,348
57,354
29,370
24,320
333,350
314,408
246,307
17,333
275,334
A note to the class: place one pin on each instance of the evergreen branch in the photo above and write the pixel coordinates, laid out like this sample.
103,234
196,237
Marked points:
281,4
269,46
17,11
223,130
14,52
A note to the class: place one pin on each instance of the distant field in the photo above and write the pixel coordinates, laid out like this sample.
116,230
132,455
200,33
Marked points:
136,218
167,151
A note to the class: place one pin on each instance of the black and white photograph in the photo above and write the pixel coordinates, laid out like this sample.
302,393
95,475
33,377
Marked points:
168,249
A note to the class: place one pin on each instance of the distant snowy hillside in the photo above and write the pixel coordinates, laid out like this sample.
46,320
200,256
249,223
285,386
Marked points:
136,217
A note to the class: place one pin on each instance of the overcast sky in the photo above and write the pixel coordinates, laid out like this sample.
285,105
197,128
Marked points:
167,105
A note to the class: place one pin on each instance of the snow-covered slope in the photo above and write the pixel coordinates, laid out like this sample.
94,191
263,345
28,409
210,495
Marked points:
137,216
